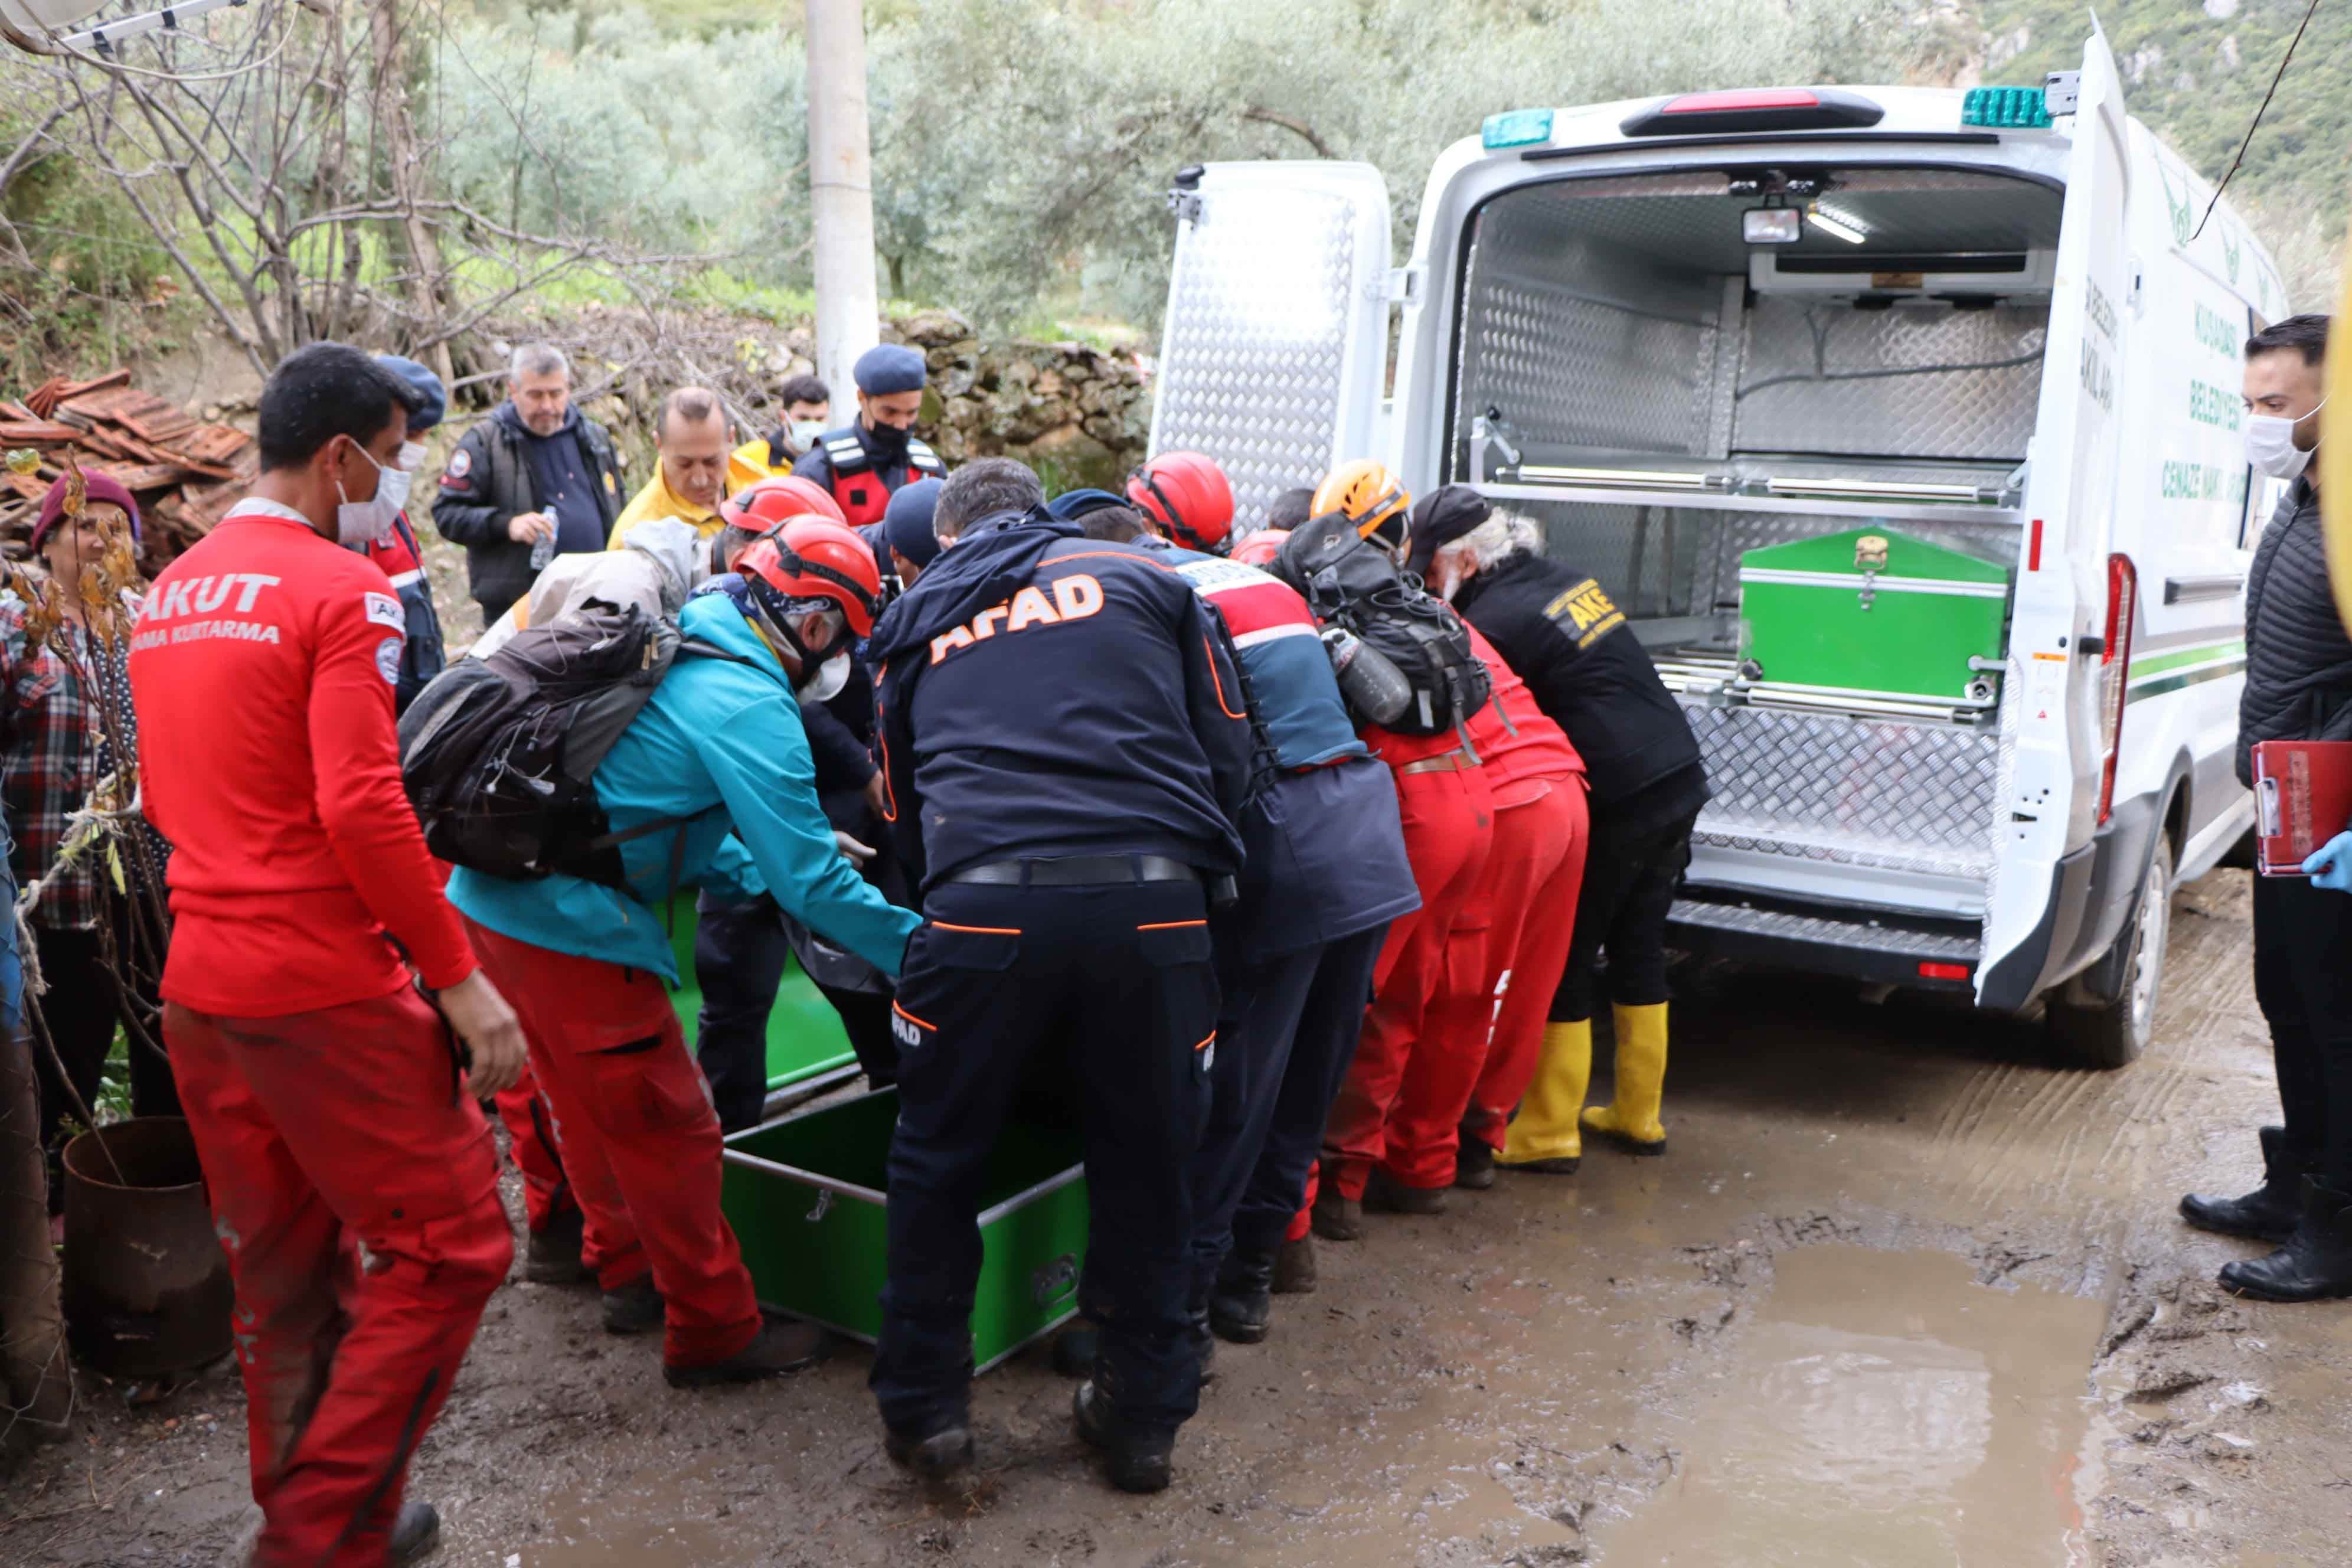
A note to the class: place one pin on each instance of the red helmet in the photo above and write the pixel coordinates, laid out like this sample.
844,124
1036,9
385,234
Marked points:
1185,493
760,506
1259,547
815,558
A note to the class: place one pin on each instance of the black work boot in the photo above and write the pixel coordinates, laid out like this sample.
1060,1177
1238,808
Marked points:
416,1534
1241,1306
551,1256
2268,1212
1075,1348
783,1345
935,1453
1138,1461
1386,1195
1294,1268
2316,1264
1474,1163
1197,1331
634,1307
1336,1216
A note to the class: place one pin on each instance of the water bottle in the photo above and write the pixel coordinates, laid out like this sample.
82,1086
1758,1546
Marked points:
542,550
1370,680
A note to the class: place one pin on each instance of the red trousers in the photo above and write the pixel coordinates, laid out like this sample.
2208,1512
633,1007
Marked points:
316,1129
530,1141
1537,867
639,1141
1448,826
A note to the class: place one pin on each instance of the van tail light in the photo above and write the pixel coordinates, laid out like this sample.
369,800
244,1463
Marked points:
2115,666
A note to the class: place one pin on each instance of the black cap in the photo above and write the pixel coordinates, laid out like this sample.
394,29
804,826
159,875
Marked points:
1440,517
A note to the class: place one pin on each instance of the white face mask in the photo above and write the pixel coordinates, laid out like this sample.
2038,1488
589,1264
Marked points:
2270,445
831,677
412,456
359,523
803,432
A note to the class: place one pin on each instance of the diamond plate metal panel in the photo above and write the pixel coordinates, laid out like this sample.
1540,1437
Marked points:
1937,413
1861,934
1860,792
1579,350
1252,373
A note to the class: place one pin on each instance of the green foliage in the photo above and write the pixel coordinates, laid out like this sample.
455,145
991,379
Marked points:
2197,78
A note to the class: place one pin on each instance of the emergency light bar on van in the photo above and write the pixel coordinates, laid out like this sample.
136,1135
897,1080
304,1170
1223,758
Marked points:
1755,108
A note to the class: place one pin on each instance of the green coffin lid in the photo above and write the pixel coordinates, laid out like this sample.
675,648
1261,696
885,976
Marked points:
1832,555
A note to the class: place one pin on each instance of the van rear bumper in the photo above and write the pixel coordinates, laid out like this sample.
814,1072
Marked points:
2090,900
1824,940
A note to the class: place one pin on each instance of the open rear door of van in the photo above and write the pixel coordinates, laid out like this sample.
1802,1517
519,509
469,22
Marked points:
2057,688
1275,343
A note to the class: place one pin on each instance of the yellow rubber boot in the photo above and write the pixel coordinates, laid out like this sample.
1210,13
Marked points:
1631,1117
1543,1136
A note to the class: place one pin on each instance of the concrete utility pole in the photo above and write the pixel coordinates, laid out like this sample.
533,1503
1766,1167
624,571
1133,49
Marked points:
841,190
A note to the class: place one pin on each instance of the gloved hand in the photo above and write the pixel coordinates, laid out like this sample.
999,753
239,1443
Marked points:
2330,865
858,853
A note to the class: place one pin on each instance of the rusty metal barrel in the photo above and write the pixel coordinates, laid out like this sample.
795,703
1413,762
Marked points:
147,1288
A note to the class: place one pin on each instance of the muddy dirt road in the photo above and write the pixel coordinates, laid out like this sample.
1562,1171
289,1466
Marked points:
1900,1296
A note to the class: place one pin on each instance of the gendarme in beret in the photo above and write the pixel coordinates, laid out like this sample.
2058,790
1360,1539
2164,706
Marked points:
887,368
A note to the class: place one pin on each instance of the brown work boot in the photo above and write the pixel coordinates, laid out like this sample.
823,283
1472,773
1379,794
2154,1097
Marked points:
1294,1268
1384,1194
783,1345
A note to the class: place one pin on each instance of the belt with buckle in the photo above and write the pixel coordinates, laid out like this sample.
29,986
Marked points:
1078,871
1452,762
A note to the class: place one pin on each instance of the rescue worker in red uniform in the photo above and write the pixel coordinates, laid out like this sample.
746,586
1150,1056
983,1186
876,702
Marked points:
1448,814
711,784
1522,920
326,1082
866,462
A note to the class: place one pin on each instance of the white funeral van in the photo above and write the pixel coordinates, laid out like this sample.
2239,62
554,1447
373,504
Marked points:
1875,359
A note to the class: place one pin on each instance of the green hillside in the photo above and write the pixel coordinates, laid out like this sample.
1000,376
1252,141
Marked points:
2196,73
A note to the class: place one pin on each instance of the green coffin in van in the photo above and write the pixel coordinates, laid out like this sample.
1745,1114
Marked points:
1872,611
805,1196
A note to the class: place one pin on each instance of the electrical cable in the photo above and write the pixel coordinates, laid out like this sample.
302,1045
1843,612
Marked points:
2235,163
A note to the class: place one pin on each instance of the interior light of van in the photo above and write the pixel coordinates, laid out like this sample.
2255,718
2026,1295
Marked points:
1516,128
1772,226
1839,225
2114,667
1877,490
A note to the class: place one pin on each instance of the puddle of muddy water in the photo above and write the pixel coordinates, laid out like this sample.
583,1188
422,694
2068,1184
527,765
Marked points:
633,1527
1886,1411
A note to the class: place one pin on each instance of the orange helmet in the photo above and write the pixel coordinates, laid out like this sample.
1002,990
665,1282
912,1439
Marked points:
1370,497
760,506
1259,547
813,558
1187,494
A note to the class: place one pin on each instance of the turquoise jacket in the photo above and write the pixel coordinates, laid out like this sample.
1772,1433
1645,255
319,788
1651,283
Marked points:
719,743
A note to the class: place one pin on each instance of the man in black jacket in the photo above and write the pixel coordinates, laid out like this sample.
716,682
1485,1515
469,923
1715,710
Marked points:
536,471
1068,755
2298,688
1559,630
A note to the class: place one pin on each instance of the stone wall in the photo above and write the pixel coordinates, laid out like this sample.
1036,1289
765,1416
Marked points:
1079,415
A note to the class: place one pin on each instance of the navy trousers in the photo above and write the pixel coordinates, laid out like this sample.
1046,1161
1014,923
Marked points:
1116,982
738,961
1302,1027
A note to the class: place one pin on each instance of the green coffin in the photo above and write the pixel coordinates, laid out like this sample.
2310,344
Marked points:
805,1195
1871,612
804,1034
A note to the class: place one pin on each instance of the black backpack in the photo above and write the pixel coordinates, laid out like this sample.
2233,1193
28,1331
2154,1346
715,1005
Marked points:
1349,582
496,753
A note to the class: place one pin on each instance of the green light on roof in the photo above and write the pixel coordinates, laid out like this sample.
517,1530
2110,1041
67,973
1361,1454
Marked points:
1517,128
2006,107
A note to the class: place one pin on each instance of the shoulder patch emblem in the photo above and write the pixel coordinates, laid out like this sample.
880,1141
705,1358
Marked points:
384,611
461,463
1585,613
387,660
